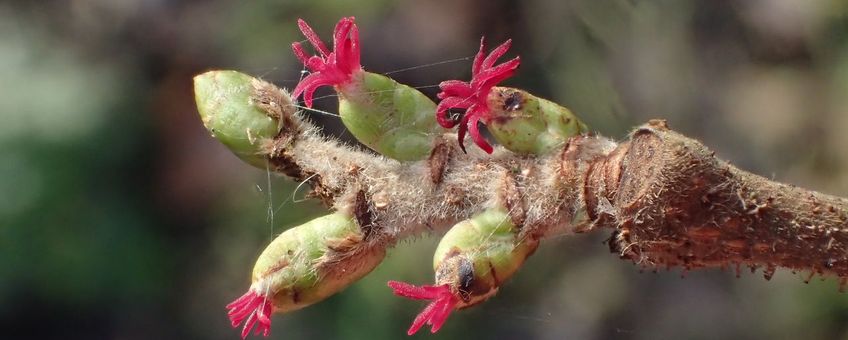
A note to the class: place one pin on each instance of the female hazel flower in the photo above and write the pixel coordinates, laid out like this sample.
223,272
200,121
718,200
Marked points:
473,259
331,68
391,118
302,266
437,312
473,96
520,121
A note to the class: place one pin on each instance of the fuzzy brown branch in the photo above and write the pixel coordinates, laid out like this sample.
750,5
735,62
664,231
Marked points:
672,203
668,200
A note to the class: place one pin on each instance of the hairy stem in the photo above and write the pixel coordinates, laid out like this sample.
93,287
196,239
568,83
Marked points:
672,203
669,201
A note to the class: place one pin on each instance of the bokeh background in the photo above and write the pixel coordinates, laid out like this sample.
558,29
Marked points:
120,218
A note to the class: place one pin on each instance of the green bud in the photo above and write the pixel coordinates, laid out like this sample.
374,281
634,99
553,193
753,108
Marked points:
477,255
524,123
393,119
313,261
227,105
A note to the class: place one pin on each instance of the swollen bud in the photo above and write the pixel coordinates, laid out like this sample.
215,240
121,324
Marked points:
477,255
474,258
232,112
305,265
519,121
390,118
524,123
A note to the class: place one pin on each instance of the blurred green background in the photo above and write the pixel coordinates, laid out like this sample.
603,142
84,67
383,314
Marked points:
120,218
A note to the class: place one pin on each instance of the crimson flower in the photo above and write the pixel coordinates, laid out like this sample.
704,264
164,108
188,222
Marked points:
471,96
253,307
436,312
328,68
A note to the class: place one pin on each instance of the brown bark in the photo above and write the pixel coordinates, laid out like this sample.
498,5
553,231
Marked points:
672,203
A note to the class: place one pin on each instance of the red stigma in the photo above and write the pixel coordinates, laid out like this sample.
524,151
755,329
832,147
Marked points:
471,96
328,68
436,312
252,307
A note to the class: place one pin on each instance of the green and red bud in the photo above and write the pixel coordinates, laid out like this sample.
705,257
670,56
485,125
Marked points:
477,255
473,259
393,119
229,108
302,266
519,121
471,96
524,123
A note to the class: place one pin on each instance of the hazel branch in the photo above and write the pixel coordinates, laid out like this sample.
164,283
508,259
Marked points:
668,201
397,199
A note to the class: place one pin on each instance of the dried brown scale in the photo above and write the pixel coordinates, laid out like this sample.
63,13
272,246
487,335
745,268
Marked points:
286,164
277,106
363,212
669,201
577,158
439,159
510,196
